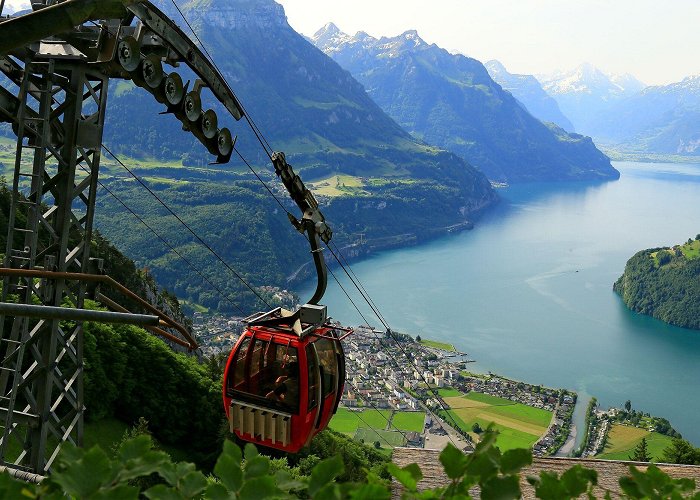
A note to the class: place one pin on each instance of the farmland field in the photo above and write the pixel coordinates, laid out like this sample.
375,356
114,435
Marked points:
408,421
519,425
393,437
348,421
623,439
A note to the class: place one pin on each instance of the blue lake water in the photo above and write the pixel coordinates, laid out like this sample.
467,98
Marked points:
528,293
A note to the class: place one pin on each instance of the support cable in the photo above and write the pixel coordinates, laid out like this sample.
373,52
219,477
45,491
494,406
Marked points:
399,345
388,421
379,339
223,295
263,143
189,229
258,134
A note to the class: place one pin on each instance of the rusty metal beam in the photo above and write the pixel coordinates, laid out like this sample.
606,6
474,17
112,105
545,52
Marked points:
103,278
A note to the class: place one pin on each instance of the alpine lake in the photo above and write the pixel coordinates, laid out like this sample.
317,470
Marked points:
528,292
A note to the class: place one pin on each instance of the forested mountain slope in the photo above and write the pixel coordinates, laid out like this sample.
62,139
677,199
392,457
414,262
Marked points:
664,283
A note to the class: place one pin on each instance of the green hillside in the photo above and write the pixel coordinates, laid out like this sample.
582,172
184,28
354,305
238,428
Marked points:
663,283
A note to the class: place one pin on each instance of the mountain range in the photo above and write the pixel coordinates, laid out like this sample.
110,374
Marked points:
584,92
528,90
451,101
660,119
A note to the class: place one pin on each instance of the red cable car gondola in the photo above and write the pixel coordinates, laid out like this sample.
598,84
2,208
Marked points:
281,387
284,378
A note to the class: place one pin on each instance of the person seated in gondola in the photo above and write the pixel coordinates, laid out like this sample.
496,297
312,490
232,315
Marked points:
287,386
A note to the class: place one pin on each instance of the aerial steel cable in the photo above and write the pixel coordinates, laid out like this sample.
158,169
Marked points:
191,231
379,339
364,290
388,421
170,247
258,134
265,145
399,345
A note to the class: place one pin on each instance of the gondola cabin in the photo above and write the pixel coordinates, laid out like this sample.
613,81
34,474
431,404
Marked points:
283,382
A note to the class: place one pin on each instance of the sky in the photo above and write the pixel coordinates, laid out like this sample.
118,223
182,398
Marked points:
657,41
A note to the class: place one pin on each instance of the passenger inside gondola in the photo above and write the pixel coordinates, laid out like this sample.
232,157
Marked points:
269,371
286,388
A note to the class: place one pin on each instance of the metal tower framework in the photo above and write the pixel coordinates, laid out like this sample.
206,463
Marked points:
59,127
57,61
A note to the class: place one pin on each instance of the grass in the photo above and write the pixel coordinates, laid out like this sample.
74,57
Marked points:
690,251
348,421
438,345
408,421
339,185
105,433
448,392
623,439
519,425
386,438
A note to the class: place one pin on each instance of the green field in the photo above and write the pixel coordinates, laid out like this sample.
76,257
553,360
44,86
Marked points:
408,421
370,425
385,438
449,392
339,185
623,439
348,421
438,345
519,425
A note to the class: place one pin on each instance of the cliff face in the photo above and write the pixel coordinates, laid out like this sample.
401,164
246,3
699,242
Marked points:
261,14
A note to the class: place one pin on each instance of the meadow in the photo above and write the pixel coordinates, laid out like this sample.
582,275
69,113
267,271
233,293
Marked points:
519,425
622,440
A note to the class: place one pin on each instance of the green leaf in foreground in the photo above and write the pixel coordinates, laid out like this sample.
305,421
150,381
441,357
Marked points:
325,472
408,476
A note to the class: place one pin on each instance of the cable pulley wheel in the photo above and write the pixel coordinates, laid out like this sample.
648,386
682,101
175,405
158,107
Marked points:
193,106
209,124
129,53
152,71
174,89
224,142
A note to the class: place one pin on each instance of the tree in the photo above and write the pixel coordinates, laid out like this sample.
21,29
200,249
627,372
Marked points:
697,237
477,428
641,452
681,451
418,339
377,444
628,405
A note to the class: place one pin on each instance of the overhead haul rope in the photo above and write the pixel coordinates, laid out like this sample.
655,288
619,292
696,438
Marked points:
169,246
191,231
258,134
263,142
375,336
390,332
266,146
388,421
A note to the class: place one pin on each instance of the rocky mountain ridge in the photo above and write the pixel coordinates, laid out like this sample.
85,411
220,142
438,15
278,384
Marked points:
451,101
528,90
